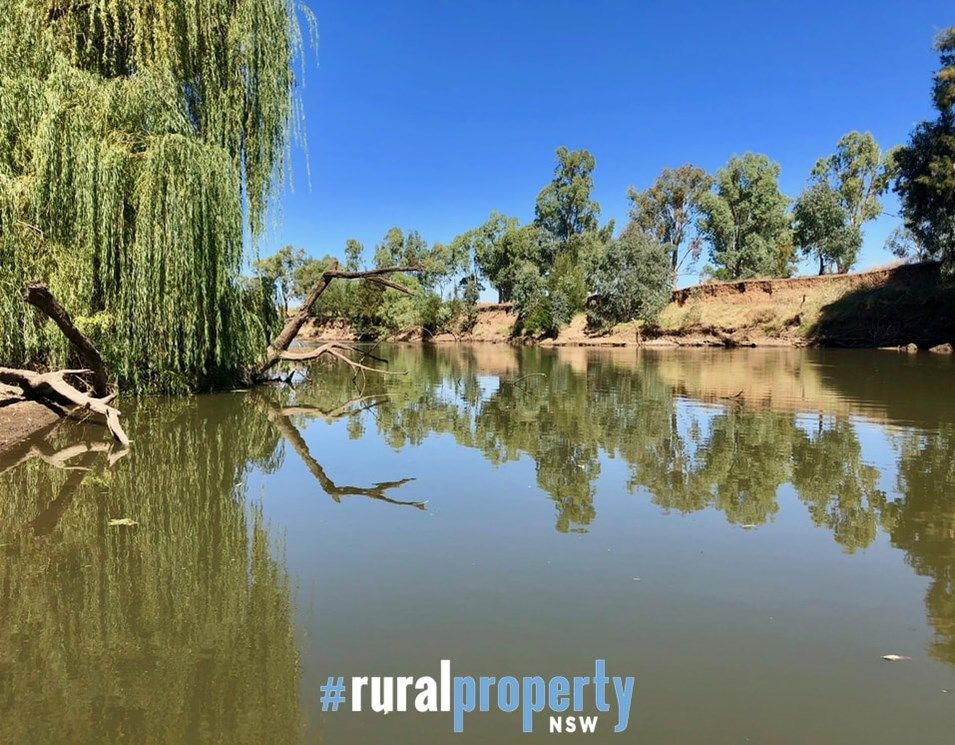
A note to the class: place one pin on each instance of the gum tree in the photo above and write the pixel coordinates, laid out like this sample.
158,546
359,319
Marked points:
859,173
669,209
926,166
744,219
823,229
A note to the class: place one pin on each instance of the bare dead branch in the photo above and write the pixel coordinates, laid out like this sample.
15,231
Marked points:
39,296
293,325
53,387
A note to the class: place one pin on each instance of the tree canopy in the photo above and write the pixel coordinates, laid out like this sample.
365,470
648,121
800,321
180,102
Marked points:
140,141
859,173
631,280
926,166
823,229
744,219
669,209
564,207
284,270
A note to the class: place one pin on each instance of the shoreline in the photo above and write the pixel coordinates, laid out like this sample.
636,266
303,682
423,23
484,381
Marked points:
908,307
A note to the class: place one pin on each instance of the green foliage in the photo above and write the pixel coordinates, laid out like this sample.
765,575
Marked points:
859,173
745,221
353,255
502,247
471,292
374,312
436,263
632,280
135,139
823,228
564,207
926,166
282,269
544,303
669,209
904,244
943,88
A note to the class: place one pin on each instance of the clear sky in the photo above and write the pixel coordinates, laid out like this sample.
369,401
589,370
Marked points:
430,114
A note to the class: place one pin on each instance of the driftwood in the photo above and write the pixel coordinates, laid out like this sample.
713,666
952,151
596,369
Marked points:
39,296
53,386
278,349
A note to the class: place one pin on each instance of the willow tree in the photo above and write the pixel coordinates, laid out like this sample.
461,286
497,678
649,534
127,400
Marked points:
141,144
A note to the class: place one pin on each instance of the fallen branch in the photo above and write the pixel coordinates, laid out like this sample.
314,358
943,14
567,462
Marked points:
39,296
332,349
278,349
53,387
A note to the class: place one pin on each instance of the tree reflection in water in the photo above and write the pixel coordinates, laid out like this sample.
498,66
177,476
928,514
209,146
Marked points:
178,631
185,628
719,431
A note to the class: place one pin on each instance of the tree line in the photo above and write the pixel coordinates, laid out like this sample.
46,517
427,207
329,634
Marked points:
140,149
565,260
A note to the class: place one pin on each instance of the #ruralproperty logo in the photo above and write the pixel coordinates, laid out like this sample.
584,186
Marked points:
462,695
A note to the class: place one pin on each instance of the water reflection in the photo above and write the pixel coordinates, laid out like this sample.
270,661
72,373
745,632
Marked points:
184,631
698,430
176,631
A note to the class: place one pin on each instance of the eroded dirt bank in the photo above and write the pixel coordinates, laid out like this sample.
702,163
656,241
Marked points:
894,307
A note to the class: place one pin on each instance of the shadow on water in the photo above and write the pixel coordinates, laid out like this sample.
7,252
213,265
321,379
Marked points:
184,631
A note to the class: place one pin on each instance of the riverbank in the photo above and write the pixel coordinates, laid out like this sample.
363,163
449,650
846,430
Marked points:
906,306
21,420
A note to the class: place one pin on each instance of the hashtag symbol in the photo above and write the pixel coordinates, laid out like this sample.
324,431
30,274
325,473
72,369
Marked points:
333,693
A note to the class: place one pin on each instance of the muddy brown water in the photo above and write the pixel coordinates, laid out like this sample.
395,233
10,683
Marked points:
745,532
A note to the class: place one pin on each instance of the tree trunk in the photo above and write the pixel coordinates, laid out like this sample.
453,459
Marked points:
278,349
40,297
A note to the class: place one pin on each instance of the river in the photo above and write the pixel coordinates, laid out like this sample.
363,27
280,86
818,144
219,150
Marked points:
745,532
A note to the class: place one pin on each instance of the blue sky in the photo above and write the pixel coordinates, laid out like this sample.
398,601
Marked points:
428,115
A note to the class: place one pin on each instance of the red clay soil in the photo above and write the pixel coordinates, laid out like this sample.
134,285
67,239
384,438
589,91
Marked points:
895,306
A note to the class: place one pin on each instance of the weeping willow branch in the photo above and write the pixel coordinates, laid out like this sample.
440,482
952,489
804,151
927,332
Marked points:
141,141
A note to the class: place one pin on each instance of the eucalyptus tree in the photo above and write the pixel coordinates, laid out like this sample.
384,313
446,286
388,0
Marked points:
502,249
141,141
745,221
632,280
354,251
282,269
669,209
823,228
925,181
859,173
904,244
564,206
